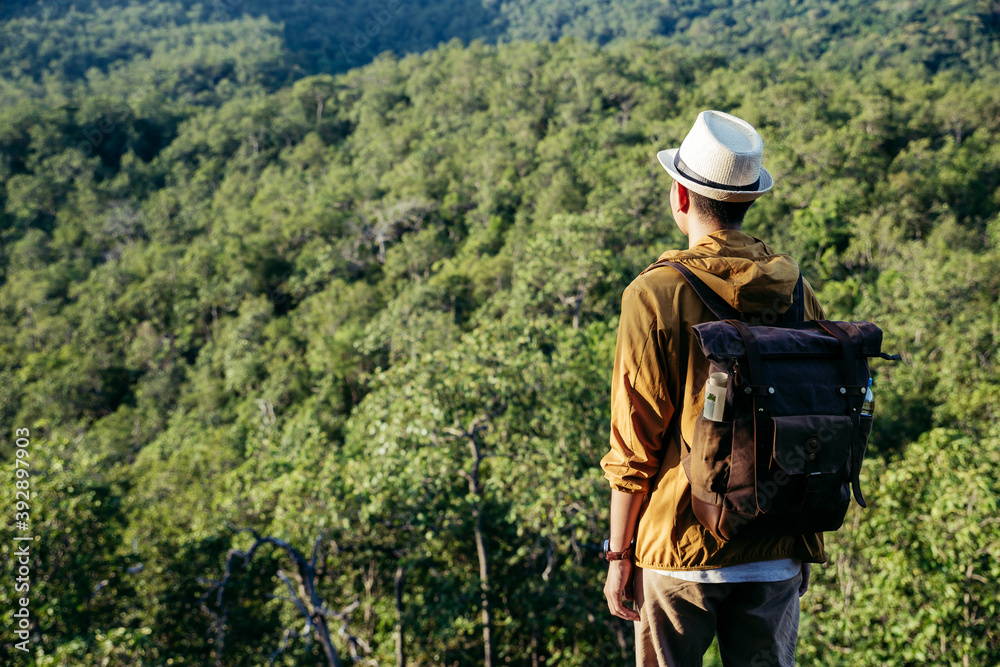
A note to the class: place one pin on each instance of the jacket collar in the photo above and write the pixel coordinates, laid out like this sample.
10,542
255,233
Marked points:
743,270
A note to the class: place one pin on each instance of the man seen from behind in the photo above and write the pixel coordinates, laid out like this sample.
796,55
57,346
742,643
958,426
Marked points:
687,586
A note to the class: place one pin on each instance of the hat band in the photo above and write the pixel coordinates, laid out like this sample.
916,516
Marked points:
687,172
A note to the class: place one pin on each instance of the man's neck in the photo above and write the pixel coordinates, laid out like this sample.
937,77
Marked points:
699,229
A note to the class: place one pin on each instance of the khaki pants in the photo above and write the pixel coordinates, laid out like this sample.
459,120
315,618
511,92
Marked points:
757,623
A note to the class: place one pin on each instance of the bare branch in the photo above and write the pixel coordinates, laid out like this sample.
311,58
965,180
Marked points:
304,596
296,599
284,644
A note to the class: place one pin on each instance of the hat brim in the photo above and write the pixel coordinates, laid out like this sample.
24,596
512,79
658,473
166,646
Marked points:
666,159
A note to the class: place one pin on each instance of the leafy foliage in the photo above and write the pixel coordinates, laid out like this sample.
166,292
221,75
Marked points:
378,308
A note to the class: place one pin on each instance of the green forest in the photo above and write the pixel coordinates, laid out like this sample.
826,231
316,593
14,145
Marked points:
308,314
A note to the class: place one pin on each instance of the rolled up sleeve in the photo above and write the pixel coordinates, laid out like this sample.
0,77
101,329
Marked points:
640,404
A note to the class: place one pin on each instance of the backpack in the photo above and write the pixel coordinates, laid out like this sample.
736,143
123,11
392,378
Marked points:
787,454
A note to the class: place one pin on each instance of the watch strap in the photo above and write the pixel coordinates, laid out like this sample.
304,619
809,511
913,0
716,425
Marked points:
617,555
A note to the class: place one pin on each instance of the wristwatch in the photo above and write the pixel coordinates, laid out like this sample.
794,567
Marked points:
617,555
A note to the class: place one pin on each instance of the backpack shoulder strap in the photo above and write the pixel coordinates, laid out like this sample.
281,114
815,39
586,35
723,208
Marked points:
722,310
797,311
715,303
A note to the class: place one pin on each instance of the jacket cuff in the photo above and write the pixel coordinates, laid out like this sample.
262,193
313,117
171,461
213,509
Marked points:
628,486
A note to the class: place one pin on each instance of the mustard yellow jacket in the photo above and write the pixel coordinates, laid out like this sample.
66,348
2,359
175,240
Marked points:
659,369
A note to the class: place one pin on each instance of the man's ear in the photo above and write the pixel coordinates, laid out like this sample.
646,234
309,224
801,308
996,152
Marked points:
683,200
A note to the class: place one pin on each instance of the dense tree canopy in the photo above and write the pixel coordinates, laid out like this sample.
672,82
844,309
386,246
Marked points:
371,311
61,35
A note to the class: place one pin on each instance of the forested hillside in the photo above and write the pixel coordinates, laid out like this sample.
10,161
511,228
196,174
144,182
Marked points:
340,34
367,315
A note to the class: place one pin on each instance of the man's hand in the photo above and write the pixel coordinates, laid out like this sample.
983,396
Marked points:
804,586
625,508
618,586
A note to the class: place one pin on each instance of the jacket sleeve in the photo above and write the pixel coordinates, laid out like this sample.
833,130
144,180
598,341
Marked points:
640,405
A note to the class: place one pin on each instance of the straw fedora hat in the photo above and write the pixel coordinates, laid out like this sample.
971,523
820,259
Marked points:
720,158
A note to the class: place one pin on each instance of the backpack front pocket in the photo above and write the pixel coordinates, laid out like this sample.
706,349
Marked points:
806,444
811,454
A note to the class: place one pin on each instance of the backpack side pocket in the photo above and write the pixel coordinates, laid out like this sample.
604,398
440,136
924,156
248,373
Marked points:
708,464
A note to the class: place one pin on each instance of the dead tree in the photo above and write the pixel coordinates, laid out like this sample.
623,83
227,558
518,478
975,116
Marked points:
398,594
477,452
301,584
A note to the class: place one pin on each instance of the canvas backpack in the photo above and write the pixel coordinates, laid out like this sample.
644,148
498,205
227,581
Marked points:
787,454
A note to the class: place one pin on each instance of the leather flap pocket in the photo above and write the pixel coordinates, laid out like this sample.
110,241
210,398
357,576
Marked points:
708,465
807,444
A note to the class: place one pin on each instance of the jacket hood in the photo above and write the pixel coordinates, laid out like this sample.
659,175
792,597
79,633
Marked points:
743,270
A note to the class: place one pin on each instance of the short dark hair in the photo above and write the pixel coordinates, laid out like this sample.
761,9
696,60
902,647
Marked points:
726,213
